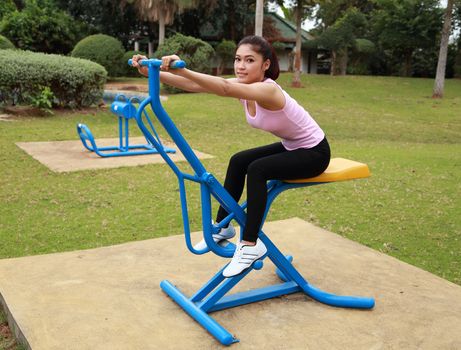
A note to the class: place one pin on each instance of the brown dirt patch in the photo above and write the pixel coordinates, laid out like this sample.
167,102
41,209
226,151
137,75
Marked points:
7,340
5,330
10,113
24,111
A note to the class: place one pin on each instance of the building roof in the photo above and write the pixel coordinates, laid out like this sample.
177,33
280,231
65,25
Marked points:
287,29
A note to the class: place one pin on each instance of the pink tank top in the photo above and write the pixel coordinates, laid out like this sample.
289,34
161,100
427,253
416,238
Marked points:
293,124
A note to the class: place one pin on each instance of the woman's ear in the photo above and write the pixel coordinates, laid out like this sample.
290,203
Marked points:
266,64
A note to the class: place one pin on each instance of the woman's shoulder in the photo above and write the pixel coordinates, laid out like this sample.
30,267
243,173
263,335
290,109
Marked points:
269,80
273,82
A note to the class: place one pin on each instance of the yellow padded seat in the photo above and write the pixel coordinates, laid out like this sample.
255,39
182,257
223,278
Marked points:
340,169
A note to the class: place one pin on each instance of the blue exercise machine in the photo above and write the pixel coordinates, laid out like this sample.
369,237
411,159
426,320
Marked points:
211,296
125,109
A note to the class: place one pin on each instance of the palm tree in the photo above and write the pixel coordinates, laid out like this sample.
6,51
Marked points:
163,11
259,17
442,63
300,10
296,82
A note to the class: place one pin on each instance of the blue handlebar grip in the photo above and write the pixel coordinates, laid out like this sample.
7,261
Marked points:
175,64
178,64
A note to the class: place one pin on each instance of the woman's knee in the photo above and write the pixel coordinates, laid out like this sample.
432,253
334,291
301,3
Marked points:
257,170
239,160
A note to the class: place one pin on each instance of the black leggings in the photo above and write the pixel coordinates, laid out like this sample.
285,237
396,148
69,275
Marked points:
271,162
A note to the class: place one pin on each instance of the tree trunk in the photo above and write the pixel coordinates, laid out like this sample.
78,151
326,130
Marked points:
259,17
297,75
333,68
408,66
150,49
343,62
161,27
442,63
220,67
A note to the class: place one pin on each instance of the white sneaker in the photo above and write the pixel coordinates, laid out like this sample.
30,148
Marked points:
244,257
225,233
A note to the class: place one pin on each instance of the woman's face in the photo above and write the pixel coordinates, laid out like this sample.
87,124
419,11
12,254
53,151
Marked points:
249,66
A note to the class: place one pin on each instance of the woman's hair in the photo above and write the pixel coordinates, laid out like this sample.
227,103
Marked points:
264,48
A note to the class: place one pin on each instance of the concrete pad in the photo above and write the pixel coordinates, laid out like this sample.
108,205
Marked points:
63,156
109,298
6,118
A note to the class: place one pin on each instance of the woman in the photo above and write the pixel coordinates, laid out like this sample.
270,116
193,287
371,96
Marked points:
302,153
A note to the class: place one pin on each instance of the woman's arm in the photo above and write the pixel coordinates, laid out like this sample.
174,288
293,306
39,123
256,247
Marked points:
180,82
266,95
168,78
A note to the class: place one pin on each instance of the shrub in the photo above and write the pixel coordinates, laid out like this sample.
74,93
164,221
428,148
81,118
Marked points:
5,43
128,71
195,52
102,49
226,52
73,82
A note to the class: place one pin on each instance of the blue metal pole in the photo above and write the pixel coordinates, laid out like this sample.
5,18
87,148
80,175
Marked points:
197,314
127,148
120,133
165,120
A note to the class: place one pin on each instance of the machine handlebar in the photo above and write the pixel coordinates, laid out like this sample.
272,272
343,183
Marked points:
157,63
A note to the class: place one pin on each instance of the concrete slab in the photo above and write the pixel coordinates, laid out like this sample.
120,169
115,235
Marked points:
63,156
109,298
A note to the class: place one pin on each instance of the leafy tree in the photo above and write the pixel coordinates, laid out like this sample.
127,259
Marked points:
342,27
402,27
330,11
6,7
40,26
110,17
342,36
361,56
231,18
191,21
457,64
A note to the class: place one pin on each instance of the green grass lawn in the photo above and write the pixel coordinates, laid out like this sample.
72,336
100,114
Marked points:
410,208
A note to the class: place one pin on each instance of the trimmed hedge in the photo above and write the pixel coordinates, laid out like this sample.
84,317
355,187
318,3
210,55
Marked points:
226,53
73,82
5,43
102,49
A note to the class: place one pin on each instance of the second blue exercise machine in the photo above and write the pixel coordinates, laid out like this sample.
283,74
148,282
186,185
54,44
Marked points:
125,110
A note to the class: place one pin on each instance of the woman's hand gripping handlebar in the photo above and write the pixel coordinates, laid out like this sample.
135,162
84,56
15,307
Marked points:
167,62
